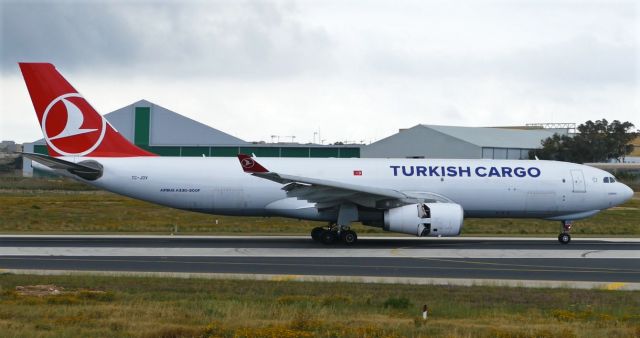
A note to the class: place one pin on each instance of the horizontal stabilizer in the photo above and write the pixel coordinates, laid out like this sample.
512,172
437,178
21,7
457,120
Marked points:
89,170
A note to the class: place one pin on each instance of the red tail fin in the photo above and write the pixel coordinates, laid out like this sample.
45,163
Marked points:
71,127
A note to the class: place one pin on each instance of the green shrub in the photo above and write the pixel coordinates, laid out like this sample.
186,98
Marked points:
100,296
397,303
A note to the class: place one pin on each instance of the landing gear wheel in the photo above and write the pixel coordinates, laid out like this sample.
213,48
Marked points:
564,238
316,233
349,237
328,237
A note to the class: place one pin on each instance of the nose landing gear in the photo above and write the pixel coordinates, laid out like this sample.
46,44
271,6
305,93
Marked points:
565,237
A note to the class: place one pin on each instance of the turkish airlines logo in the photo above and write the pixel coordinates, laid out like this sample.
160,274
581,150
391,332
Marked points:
247,163
71,127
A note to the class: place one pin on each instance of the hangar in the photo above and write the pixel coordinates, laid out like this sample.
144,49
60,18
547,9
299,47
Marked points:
168,133
434,141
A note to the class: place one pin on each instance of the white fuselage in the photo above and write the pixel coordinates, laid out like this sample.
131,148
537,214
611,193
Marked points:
552,190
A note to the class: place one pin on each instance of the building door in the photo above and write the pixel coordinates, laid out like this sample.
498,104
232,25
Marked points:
578,180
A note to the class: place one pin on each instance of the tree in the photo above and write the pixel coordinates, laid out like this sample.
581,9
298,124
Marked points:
620,141
556,148
594,142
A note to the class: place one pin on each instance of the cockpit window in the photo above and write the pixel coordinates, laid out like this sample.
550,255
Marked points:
612,180
609,180
605,180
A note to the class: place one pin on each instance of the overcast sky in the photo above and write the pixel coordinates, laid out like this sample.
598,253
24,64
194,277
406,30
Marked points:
356,71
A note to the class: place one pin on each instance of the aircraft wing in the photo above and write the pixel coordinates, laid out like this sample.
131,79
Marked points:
328,193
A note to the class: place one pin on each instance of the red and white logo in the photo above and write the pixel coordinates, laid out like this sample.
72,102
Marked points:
71,126
247,163
357,173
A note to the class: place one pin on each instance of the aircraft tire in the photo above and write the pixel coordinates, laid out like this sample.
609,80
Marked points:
328,237
349,237
564,238
316,233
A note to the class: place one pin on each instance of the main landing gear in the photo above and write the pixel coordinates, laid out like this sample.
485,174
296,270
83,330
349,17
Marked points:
339,230
564,237
333,234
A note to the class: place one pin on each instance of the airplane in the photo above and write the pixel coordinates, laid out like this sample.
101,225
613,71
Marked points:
420,197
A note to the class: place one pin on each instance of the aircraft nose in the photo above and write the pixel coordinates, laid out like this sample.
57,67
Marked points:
627,193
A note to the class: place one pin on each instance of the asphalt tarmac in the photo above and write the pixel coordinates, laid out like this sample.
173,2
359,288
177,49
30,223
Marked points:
538,259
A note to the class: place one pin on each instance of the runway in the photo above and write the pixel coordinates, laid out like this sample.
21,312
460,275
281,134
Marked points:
477,259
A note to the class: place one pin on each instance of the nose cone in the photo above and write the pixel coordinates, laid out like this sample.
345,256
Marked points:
626,194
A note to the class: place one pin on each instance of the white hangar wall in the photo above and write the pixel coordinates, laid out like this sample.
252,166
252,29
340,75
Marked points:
433,141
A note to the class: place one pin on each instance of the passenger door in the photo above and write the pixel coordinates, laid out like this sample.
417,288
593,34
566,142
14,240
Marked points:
578,181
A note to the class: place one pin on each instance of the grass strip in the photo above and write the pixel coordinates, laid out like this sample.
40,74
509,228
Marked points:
100,306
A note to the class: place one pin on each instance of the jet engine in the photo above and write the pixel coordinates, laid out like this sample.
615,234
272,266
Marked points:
425,219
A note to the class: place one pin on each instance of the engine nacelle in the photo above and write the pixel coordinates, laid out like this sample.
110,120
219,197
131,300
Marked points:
425,219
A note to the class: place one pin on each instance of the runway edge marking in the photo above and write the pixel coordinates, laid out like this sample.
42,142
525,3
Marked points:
348,279
615,286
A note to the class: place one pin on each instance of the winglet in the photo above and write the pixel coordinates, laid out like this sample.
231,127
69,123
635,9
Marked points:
249,165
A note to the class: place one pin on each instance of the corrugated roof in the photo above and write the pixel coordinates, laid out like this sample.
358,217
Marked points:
167,127
494,137
171,128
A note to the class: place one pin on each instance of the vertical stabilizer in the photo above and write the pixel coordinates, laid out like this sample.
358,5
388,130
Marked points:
70,125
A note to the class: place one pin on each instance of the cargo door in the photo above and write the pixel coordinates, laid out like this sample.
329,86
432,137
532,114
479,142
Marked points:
578,180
